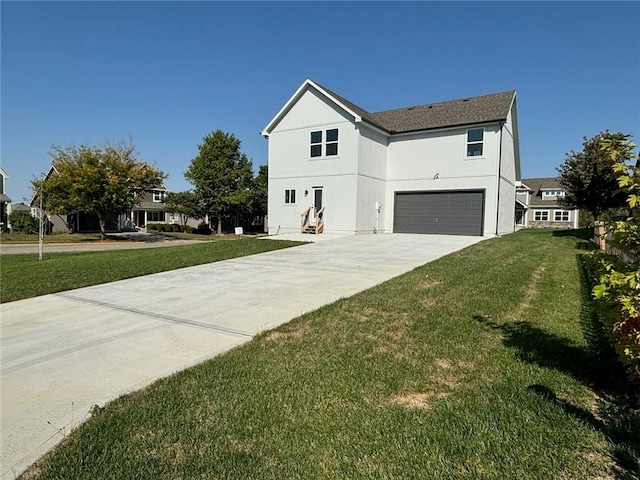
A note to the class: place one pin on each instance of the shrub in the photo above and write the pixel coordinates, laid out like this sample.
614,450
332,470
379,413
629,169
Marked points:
175,227
23,222
619,289
203,229
152,226
189,229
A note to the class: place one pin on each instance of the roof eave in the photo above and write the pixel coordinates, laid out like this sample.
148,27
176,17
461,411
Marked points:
447,127
296,96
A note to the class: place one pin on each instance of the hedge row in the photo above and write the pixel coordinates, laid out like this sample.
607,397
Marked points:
203,228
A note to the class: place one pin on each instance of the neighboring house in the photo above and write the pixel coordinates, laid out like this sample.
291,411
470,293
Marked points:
537,205
150,210
5,201
441,168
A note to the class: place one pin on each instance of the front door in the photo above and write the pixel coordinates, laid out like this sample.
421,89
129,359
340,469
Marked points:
316,205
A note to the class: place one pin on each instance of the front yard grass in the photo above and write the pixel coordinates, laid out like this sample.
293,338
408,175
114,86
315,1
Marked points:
485,364
24,276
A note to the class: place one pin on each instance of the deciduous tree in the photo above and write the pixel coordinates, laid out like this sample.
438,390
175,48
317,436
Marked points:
259,192
222,176
588,178
104,181
185,204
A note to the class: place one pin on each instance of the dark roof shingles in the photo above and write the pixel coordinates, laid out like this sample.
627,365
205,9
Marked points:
465,111
539,184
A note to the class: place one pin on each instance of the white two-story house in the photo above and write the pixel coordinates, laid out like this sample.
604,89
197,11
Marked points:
441,168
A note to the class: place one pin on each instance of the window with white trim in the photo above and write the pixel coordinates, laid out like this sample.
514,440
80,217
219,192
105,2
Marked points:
289,196
541,215
155,216
555,192
475,142
561,216
324,143
159,195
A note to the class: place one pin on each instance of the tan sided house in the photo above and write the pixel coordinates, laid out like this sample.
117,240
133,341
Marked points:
537,205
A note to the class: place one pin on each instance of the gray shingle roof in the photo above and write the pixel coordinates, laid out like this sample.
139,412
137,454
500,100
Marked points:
464,111
539,184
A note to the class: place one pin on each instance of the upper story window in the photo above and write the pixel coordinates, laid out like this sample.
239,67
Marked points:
475,142
159,195
552,193
324,143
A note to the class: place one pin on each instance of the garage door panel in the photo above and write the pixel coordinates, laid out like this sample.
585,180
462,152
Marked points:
447,213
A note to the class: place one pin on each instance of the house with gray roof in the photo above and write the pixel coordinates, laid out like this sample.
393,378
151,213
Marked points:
439,168
5,201
537,205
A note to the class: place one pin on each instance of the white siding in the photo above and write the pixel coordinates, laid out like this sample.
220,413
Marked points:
372,174
415,160
292,167
508,178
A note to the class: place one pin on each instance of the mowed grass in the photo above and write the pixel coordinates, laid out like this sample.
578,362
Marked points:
485,364
24,276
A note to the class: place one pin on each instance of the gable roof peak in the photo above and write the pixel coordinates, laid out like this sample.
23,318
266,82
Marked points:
493,107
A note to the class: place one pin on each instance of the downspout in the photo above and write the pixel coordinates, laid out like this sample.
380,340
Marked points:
499,173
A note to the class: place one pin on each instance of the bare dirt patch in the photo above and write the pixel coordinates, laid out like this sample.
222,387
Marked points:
443,363
428,283
429,302
530,293
418,400
285,335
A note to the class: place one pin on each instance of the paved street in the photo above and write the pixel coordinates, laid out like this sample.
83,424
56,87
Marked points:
62,353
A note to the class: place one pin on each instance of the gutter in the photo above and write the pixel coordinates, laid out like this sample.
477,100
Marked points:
499,174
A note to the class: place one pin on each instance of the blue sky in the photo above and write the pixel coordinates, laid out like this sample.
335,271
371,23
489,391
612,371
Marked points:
168,73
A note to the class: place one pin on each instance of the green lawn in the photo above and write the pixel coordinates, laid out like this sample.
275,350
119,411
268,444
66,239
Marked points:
485,364
24,276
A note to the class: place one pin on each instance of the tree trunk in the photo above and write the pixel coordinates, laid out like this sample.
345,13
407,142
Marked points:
219,225
103,227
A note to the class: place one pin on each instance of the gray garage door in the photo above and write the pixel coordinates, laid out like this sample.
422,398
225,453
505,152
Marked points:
446,213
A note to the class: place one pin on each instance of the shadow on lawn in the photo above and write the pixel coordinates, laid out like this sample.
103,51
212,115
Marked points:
593,364
615,417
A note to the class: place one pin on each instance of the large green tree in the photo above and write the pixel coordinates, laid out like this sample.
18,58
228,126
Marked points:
104,181
222,176
185,204
588,178
259,192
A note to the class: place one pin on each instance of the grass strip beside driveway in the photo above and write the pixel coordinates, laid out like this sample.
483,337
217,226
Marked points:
24,276
480,365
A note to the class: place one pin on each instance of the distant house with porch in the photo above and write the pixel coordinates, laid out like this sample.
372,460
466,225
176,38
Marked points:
151,209
5,201
537,205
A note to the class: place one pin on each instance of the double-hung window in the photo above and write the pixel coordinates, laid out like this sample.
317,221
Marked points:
475,142
324,143
541,215
289,196
561,216
158,196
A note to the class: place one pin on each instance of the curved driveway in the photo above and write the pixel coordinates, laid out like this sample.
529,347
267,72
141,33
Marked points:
63,353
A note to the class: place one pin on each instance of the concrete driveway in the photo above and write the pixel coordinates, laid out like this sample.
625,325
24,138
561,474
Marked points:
62,353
